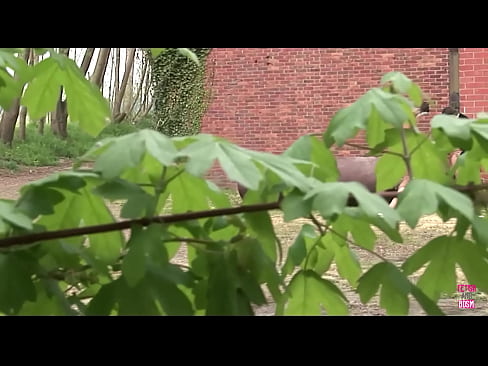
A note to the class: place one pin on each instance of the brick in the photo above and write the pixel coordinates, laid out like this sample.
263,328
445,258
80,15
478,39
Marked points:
267,110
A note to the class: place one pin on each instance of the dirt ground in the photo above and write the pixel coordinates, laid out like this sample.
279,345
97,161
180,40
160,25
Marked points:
428,228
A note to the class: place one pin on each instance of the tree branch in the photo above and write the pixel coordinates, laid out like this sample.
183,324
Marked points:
117,226
168,219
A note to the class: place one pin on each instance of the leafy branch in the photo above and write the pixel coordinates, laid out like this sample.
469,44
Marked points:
168,219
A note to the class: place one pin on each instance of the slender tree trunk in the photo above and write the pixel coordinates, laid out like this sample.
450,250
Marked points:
42,122
127,72
145,106
59,122
139,88
22,118
117,76
85,64
129,91
101,67
7,124
9,117
23,109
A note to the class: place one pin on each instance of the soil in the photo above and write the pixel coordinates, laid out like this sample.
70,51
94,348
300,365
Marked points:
428,228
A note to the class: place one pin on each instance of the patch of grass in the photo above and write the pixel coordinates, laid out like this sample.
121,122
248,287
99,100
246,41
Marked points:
47,149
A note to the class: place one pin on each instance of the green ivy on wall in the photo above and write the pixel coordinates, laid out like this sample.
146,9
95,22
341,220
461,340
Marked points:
180,92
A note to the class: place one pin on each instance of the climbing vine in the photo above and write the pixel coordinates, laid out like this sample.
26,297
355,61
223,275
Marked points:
180,92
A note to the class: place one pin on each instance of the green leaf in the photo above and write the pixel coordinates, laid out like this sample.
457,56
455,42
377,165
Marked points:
155,52
16,286
480,231
261,225
321,255
85,209
42,93
44,304
104,301
251,256
373,205
346,123
399,81
283,166
421,197
69,181
9,213
250,287
440,274
308,293
415,94
118,189
390,169
188,193
298,250
10,89
159,146
39,201
294,206
370,282
221,292
360,230
394,291
121,153
329,198
238,166
458,130
474,262
86,103
155,294
390,107
427,304
187,53
310,148
347,263
427,161
134,264
395,288
376,128
201,153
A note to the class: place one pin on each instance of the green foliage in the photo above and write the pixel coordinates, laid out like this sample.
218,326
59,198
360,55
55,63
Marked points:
199,262
47,149
180,91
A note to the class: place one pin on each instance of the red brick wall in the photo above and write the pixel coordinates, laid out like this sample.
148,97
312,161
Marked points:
266,98
473,80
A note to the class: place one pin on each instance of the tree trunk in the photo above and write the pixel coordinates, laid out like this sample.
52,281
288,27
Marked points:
23,109
129,91
22,118
7,124
9,118
100,67
59,122
141,85
42,122
85,64
127,72
117,76
145,106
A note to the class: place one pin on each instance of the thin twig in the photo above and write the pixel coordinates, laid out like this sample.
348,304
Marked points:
317,224
369,149
420,143
406,155
359,246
